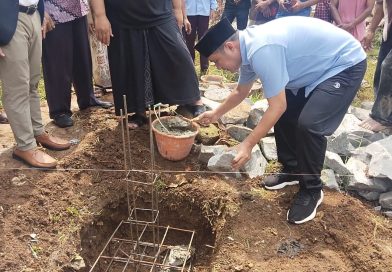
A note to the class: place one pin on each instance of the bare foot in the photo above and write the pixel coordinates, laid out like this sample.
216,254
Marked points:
372,125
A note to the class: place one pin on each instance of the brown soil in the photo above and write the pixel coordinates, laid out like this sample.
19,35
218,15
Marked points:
239,227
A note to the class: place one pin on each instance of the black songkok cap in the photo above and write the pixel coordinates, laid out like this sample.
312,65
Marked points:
215,37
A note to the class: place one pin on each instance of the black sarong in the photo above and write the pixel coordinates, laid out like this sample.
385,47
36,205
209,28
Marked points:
151,65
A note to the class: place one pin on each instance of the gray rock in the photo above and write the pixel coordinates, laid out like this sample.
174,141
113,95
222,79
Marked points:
218,95
364,138
369,195
382,146
367,105
268,146
222,163
211,105
361,155
238,115
360,113
255,167
239,133
256,112
381,166
381,160
77,263
349,124
360,182
386,200
207,151
334,162
388,214
340,144
329,179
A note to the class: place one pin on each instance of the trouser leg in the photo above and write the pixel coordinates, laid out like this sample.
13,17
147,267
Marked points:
202,28
191,37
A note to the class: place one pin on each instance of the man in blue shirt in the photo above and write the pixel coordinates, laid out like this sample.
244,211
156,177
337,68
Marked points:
311,71
198,13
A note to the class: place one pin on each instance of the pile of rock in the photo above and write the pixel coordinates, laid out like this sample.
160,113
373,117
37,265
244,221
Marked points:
357,159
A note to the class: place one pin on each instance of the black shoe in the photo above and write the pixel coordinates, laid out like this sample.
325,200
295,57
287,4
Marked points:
63,120
102,104
305,206
191,111
276,182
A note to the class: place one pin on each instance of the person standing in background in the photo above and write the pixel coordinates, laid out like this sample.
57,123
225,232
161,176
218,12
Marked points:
148,58
237,9
20,57
295,7
263,11
198,14
73,65
323,10
381,114
350,15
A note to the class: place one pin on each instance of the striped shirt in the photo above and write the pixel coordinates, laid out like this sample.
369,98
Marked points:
63,11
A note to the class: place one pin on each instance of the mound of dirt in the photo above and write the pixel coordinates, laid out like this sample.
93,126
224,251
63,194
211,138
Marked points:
49,218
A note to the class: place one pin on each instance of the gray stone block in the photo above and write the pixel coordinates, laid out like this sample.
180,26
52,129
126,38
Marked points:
255,167
238,133
222,163
360,182
329,179
334,162
207,151
386,200
268,146
369,195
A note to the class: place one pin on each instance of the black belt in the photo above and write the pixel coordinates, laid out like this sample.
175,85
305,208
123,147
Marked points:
28,10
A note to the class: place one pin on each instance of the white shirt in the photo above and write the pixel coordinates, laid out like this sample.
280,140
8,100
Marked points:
27,3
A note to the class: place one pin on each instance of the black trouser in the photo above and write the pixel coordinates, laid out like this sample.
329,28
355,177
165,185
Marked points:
199,25
300,132
239,11
382,108
66,60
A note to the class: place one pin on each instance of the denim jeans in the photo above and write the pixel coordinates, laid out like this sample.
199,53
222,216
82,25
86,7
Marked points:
382,108
239,11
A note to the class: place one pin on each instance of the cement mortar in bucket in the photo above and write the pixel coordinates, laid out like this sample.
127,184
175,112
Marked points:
174,136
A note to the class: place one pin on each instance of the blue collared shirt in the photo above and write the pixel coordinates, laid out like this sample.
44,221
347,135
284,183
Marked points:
200,7
295,52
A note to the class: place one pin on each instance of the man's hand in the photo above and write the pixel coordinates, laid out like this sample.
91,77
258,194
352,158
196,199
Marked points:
187,26
47,25
206,118
103,29
282,6
2,53
244,152
267,12
297,6
367,40
179,18
348,27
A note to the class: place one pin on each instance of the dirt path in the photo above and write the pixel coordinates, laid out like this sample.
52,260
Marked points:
239,227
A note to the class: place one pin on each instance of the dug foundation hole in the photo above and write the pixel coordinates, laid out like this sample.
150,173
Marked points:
177,215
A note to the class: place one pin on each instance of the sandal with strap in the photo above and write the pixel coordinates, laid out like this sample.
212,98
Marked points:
136,121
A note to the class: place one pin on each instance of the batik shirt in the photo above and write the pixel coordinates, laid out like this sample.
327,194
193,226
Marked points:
323,10
63,11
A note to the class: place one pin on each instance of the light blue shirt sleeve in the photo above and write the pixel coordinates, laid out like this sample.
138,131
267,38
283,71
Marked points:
214,5
269,64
